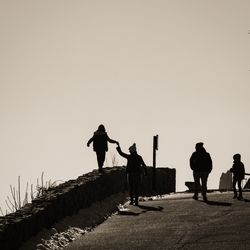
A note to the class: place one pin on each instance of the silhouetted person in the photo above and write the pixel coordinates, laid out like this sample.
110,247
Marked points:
238,171
201,164
134,169
100,141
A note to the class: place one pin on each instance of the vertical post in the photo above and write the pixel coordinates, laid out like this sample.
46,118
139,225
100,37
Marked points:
155,147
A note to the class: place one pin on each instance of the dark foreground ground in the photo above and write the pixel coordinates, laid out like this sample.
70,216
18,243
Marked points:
177,222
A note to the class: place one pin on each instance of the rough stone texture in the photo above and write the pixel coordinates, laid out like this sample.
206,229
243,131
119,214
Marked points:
190,186
226,182
69,197
165,182
247,185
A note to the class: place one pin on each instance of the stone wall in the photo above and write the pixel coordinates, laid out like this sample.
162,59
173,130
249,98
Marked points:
67,198
226,181
165,182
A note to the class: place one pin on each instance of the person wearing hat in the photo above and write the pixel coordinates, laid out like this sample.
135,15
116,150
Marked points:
201,164
238,171
100,141
135,166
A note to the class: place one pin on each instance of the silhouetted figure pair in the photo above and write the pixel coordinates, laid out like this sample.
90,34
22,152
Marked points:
135,167
100,141
135,164
238,171
201,164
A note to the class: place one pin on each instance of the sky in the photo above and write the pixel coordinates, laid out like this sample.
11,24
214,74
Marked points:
178,69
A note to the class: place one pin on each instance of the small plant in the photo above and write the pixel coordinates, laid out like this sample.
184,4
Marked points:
114,159
1,211
43,189
15,203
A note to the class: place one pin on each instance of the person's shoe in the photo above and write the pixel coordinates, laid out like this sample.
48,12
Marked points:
136,203
195,197
240,198
205,198
235,196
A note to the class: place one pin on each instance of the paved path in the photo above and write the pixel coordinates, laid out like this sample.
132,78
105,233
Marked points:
180,223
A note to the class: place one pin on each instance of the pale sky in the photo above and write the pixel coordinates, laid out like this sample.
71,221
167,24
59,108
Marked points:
179,69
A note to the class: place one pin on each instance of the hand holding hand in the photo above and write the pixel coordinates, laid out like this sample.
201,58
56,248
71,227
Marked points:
118,147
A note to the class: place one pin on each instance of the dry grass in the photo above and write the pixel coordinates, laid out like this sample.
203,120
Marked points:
14,202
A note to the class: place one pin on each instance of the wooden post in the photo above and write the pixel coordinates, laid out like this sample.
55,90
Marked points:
155,147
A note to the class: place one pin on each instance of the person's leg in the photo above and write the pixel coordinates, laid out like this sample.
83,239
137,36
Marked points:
100,159
131,188
240,189
196,184
234,188
136,188
204,177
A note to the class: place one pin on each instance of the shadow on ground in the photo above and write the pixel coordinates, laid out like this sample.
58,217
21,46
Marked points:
144,210
217,203
150,208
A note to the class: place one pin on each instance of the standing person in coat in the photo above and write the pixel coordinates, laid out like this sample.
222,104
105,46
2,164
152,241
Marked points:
100,141
238,171
201,164
135,166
